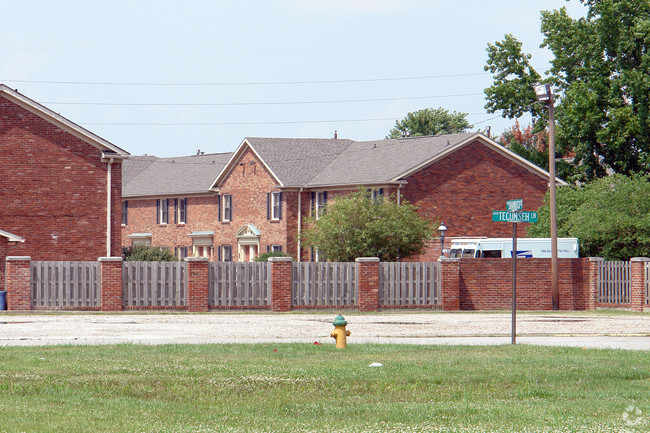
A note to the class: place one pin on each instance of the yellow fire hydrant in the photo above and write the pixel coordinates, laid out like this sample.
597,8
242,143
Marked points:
339,333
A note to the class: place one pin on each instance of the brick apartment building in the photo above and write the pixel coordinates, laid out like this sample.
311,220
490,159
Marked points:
234,206
60,185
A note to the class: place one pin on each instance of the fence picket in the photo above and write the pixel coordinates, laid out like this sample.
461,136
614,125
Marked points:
613,283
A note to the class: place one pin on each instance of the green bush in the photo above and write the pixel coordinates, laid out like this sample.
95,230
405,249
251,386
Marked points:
143,253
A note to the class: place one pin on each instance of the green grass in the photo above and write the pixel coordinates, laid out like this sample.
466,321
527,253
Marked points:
302,387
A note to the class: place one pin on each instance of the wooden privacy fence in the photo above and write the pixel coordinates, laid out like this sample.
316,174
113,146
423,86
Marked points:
614,283
153,284
409,284
239,284
324,284
73,285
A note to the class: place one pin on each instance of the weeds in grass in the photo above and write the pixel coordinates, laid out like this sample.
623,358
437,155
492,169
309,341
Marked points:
307,388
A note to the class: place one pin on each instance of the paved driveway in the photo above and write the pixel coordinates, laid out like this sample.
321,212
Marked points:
558,329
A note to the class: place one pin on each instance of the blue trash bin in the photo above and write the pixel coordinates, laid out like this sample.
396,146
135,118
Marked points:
3,299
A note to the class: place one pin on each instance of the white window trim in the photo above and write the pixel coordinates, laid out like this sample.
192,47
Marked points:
319,208
181,203
226,199
275,213
163,210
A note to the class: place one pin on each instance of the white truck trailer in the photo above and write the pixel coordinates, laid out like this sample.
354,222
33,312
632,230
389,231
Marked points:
502,248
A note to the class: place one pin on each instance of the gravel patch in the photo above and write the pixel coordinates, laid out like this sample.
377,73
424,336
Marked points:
561,329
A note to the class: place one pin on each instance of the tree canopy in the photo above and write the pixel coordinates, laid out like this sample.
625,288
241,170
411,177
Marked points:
600,79
609,216
358,226
430,121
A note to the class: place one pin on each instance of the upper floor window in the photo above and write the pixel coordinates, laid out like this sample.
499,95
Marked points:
181,210
226,207
162,211
318,203
125,212
274,206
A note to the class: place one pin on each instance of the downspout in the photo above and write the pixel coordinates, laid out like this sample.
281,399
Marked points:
108,208
399,194
299,222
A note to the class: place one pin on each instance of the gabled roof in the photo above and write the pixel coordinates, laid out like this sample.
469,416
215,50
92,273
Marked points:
152,176
11,237
319,163
61,122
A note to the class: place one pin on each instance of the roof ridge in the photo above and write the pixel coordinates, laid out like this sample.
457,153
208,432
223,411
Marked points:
351,142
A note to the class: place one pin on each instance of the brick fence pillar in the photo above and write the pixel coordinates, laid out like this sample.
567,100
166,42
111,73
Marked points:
368,283
198,269
110,270
18,283
637,282
450,284
592,283
281,269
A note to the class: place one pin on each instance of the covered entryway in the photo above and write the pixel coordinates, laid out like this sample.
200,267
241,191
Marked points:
248,243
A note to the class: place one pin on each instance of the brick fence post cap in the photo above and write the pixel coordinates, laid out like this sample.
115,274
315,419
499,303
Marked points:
596,259
280,259
449,260
640,259
18,258
197,259
366,259
110,259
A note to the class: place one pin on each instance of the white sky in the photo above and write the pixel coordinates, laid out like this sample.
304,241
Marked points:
167,78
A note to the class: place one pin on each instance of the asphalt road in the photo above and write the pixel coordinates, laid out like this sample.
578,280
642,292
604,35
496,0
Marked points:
474,328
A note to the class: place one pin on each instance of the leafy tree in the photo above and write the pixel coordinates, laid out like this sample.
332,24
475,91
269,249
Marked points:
143,253
430,121
264,257
600,76
357,226
534,147
609,216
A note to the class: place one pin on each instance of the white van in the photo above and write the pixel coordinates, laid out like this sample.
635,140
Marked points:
502,248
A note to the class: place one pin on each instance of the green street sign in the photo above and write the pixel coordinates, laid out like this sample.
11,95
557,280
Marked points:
514,205
514,217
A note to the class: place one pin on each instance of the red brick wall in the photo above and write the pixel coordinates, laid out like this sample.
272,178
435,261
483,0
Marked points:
463,188
18,283
201,216
486,284
53,190
248,184
3,256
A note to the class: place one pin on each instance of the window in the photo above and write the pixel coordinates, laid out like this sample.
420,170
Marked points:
274,206
274,248
377,193
162,211
318,203
125,212
181,252
181,211
225,254
226,207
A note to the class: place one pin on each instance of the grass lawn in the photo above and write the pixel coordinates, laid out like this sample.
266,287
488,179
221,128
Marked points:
316,388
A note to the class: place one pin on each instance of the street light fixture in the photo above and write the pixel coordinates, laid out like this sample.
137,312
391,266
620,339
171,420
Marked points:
544,94
441,231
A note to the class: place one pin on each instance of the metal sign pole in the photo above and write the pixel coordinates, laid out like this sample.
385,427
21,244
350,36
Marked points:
514,283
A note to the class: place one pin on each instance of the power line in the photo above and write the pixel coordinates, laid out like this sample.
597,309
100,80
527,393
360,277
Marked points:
244,53
250,83
217,104
272,122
